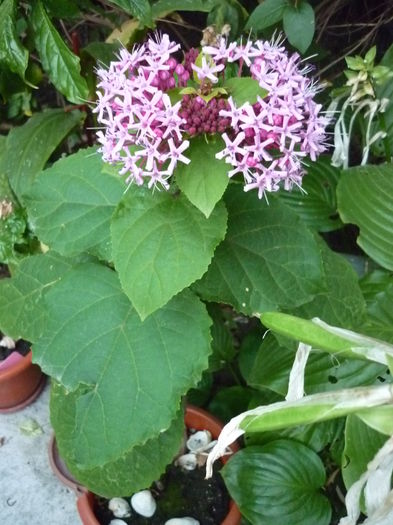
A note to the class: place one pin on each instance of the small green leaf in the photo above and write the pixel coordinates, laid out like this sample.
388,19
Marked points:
59,62
268,13
280,482
299,24
12,52
72,202
365,198
205,178
244,89
35,141
129,375
267,260
138,8
161,244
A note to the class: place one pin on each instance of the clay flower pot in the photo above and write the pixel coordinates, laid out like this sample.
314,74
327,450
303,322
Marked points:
20,382
195,418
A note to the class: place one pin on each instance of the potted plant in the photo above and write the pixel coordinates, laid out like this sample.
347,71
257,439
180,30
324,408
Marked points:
21,381
195,418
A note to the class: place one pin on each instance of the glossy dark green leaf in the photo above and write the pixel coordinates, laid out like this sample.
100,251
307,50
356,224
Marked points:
299,24
365,198
278,483
12,52
129,375
59,62
269,259
161,8
317,204
266,14
35,141
361,445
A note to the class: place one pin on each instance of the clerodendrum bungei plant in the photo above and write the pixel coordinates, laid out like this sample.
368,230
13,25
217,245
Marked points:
210,145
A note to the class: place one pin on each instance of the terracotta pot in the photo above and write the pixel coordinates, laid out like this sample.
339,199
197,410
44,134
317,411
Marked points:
195,418
20,382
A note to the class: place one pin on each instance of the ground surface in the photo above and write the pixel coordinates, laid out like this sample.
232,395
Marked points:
30,494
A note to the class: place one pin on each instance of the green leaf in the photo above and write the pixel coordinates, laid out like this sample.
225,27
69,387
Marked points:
22,312
130,375
365,198
34,143
273,364
163,7
12,229
244,89
280,482
161,244
137,469
205,178
317,206
12,52
62,8
228,402
361,445
72,202
299,24
268,259
59,62
377,288
138,8
268,13
378,418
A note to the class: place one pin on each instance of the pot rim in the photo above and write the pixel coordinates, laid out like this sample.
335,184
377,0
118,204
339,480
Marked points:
18,367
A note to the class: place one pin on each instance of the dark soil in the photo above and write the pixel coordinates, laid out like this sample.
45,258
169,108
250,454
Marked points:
23,347
184,494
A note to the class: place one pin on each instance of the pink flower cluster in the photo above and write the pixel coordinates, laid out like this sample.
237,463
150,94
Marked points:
143,129
265,142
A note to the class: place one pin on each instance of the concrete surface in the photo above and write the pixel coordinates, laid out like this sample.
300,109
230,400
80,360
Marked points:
30,494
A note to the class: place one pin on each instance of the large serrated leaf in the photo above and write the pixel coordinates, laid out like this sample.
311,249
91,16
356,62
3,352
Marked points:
12,52
71,204
278,483
268,259
136,469
365,198
205,178
161,244
59,62
318,205
131,373
22,313
34,142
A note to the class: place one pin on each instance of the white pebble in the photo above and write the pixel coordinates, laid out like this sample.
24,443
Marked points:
143,503
187,461
182,521
199,440
119,507
117,522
